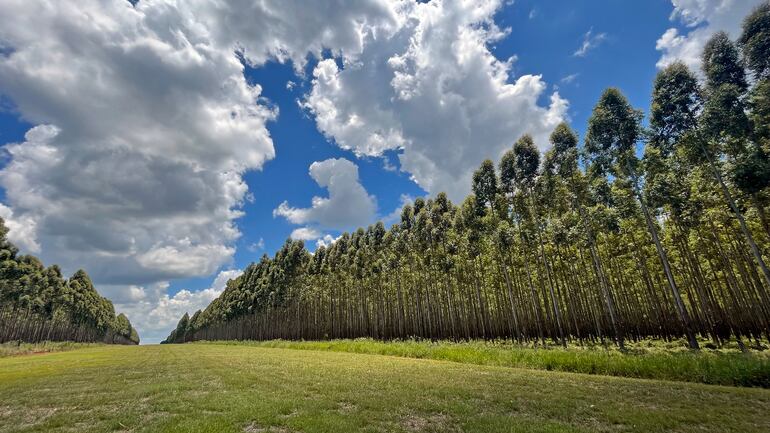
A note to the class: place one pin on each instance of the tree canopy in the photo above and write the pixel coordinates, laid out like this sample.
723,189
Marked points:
30,291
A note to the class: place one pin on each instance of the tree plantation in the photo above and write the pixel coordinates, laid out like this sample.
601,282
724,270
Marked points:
646,229
39,304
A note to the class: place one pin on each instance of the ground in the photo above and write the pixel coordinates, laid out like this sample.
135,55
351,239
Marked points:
232,388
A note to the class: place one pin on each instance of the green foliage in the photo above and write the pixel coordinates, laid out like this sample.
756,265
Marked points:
724,117
527,162
755,40
721,63
30,290
565,151
613,131
759,108
751,172
676,101
485,185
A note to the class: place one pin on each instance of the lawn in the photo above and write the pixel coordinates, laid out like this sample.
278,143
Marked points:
243,388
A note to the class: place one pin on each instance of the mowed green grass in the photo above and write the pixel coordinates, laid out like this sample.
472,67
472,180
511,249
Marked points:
240,388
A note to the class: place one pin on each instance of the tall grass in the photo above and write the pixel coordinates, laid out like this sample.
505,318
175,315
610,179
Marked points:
646,360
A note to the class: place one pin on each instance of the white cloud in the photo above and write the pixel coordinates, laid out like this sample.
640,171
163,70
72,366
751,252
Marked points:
326,241
702,18
434,92
20,231
348,205
145,126
305,234
186,260
590,41
290,29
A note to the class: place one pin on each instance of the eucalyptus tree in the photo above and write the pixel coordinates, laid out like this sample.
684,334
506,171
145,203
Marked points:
755,41
469,220
565,147
527,163
43,304
724,124
676,104
485,186
512,167
611,138
752,170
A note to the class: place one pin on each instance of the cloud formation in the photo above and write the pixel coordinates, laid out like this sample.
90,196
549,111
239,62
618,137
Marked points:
702,18
145,126
305,234
146,123
348,205
434,92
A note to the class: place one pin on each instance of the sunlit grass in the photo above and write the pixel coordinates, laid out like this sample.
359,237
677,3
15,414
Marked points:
217,388
646,359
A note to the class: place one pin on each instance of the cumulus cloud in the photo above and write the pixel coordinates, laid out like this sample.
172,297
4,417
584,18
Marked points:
145,124
701,18
347,206
433,92
289,30
590,41
305,234
20,231
154,313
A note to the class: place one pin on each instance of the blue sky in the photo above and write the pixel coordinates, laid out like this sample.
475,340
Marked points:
560,53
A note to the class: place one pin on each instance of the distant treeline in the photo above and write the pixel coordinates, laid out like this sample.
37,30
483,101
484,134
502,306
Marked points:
586,242
38,304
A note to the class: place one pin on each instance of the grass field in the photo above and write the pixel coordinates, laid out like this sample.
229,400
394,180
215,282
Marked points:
648,359
241,388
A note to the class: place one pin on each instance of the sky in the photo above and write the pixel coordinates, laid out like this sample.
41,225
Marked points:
164,145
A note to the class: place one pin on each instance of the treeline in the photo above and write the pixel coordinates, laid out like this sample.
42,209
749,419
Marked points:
657,231
39,304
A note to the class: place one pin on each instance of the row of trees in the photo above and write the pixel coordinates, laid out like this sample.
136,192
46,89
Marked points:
641,232
38,303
